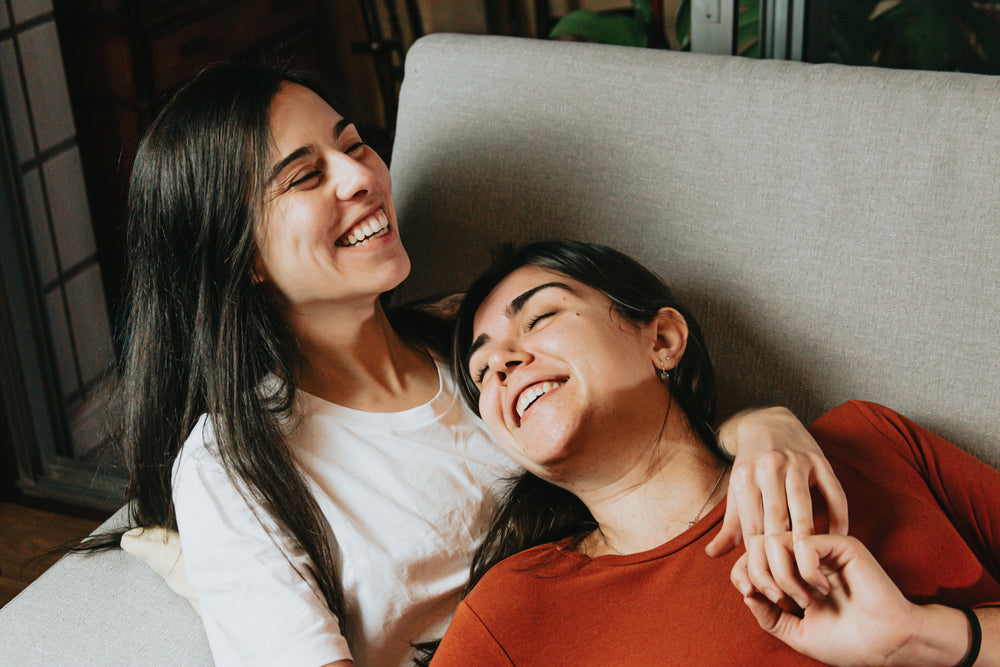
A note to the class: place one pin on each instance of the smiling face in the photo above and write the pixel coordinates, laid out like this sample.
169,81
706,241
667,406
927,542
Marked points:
329,228
562,378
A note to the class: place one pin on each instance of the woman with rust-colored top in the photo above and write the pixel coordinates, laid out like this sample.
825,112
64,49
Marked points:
598,383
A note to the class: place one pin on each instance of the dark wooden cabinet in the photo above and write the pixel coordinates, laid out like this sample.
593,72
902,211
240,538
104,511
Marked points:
123,59
8,463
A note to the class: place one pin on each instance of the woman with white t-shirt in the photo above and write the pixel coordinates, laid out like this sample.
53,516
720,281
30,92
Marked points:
328,486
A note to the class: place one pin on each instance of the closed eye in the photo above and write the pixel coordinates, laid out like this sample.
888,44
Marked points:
305,178
353,148
480,374
534,320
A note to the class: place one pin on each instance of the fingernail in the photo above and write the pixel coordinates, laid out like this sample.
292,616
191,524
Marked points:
745,589
800,601
773,595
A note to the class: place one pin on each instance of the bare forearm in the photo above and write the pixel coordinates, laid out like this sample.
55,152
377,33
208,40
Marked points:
943,637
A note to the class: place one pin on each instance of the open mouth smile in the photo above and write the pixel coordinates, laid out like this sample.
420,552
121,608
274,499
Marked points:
372,227
532,394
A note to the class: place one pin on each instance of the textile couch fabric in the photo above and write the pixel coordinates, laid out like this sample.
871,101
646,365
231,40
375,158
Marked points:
833,228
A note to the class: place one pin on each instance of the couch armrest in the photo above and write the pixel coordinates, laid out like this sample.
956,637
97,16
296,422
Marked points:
102,609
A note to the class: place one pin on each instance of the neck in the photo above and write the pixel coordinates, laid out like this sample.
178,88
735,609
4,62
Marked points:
353,357
650,504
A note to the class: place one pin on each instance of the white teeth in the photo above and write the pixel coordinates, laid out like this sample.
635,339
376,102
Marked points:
532,394
376,226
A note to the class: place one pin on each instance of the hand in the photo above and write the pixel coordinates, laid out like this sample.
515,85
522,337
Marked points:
854,614
862,618
777,462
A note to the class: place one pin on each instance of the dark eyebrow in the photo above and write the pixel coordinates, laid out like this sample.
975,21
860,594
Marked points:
299,152
303,151
517,305
476,344
339,128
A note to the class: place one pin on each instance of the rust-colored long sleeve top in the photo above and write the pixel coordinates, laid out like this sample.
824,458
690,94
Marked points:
929,512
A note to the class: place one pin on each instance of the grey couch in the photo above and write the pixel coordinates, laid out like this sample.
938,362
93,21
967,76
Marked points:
836,230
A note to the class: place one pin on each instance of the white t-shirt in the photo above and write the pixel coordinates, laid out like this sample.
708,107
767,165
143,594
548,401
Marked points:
407,496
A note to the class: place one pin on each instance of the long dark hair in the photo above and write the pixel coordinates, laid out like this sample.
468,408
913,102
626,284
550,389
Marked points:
533,511
201,332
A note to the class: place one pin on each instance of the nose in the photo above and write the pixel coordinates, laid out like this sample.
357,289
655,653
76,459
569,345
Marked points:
503,363
352,178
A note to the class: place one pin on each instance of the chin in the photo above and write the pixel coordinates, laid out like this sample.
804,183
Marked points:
404,269
395,271
547,460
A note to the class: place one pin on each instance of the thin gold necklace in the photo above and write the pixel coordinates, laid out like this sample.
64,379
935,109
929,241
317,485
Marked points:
604,538
710,494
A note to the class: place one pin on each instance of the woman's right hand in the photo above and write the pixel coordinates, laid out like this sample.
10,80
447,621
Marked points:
777,461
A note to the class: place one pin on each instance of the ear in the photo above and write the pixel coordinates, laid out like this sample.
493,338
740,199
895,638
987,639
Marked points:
258,271
670,334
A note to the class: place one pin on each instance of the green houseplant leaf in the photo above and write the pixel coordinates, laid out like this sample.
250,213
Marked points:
748,29
612,28
917,34
683,25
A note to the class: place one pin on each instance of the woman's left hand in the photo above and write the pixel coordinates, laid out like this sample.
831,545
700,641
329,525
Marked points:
853,614
777,461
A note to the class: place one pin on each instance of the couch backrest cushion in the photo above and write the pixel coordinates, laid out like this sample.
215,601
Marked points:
834,228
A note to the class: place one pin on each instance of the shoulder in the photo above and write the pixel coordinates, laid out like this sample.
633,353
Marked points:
198,471
513,600
864,431
859,417
470,640
517,579
199,448
869,420
859,422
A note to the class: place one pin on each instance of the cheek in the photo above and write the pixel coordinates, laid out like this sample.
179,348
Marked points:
385,183
616,351
383,176
489,409
378,167
298,217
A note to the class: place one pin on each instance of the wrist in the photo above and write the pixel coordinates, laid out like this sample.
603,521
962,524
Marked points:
975,637
748,425
941,636
728,434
